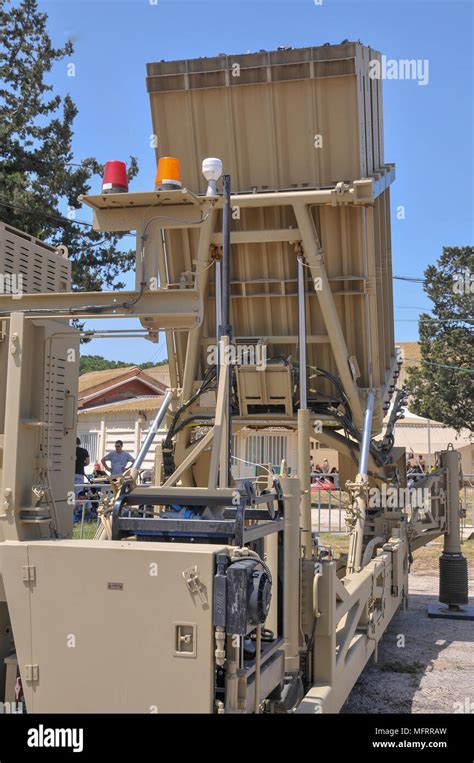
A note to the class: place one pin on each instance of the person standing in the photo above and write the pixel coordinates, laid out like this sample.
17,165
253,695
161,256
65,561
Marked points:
119,459
82,460
325,466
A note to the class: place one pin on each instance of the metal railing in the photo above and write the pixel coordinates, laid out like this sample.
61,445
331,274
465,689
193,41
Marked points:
328,505
81,504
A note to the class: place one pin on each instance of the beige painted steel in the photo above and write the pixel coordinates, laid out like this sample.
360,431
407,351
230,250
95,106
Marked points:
122,211
105,633
11,672
353,614
42,268
158,309
264,293
272,386
291,488
350,319
39,361
450,460
124,610
262,113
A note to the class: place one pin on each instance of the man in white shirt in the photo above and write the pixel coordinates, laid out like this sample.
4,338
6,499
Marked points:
119,459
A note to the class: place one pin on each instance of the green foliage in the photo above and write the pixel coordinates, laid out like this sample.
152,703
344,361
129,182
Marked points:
90,363
446,339
38,171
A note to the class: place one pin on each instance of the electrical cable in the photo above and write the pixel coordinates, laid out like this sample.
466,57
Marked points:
98,309
48,216
434,320
408,278
441,365
210,380
253,463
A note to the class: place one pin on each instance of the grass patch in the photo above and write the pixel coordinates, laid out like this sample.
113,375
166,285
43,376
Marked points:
88,533
425,559
402,667
339,542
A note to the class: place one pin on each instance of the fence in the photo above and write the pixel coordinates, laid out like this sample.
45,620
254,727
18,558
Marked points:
328,506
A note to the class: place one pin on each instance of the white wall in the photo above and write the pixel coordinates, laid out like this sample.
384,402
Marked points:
126,427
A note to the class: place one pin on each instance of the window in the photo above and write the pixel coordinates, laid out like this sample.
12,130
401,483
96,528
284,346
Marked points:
90,441
266,449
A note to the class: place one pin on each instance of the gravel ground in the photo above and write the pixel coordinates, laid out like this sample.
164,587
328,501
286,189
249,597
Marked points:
433,673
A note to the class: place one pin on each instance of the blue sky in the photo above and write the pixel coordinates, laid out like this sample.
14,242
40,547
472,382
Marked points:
428,129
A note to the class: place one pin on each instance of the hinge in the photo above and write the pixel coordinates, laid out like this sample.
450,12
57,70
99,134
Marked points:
32,673
29,573
193,581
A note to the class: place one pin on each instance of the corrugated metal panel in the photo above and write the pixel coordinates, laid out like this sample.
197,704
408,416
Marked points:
260,114
264,286
28,265
262,123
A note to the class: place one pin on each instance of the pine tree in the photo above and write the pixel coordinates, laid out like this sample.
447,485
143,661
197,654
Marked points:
442,386
38,171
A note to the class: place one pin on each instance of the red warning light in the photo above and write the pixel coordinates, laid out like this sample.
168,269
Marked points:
115,178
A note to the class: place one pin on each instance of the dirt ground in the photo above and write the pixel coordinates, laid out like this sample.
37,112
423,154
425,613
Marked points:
433,672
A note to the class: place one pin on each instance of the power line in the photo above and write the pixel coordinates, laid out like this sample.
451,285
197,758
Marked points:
441,365
90,225
45,214
434,320
408,278
48,216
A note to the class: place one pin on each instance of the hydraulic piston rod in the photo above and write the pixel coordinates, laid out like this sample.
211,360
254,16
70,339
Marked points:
354,560
364,450
151,433
303,421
